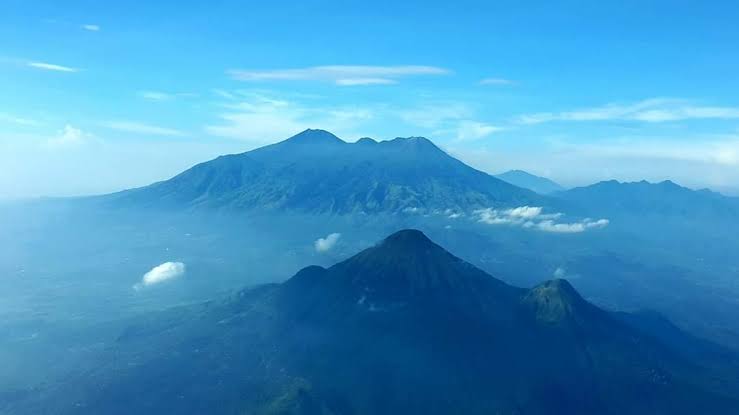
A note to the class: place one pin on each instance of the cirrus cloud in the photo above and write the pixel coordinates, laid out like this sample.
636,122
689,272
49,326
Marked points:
342,75
497,81
143,128
51,67
653,110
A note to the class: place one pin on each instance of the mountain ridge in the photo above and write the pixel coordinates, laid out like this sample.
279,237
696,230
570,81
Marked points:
316,172
665,198
538,184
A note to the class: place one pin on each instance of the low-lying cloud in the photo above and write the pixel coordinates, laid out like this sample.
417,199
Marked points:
533,217
326,244
161,273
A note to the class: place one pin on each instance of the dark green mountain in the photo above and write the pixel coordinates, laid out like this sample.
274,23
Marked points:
526,180
403,327
316,172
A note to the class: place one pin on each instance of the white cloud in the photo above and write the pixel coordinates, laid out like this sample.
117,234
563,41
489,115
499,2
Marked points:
327,243
719,150
5,117
51,67
559,273
576,227
345,75
653,110
155,95
496,81
163,96
68,136
260,119
365,81
532,217
143,129
161,273
474,130
91,27
435,115
448,119
524,212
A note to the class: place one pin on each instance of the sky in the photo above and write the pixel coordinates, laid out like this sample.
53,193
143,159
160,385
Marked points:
101,96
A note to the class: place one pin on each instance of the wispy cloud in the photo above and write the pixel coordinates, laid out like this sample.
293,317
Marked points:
365,81
51,67
5,117
91,27
143,129
161,273
436,115
449,120
475,130
261,119
326,244
68,136
533,217
559,273
497,81
711,149
653,110
163,96
155,95
343,75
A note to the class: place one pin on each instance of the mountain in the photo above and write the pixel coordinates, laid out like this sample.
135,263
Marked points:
526,180
316,172
403,327
665,200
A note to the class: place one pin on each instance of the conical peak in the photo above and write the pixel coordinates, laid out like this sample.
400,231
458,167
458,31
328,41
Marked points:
314,136
556,301
407,239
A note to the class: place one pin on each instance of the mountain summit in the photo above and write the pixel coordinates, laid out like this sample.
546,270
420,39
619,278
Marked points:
316,172
407,269
403,327
315,136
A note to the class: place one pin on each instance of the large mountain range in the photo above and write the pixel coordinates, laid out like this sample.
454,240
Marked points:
403,327
316,172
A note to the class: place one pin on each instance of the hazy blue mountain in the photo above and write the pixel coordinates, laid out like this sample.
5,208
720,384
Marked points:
403,327
316,172
664,199
526,180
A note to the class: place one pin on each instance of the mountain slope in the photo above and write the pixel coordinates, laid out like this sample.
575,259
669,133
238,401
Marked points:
403,327
526,180
664,199
316,172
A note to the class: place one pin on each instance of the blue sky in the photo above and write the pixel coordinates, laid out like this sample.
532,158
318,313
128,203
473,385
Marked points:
99,96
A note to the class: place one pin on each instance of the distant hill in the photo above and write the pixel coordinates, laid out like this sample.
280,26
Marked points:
526,180
665,199
403,327
316,172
